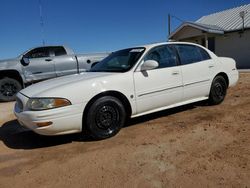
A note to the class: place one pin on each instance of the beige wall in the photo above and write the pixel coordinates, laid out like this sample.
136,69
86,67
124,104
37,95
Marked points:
236,46
187,32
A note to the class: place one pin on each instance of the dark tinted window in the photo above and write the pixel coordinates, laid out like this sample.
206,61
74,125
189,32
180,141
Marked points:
204,54
191,54
58,51
164,55
37,53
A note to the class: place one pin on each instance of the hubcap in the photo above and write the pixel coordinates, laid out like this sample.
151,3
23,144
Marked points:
8,89
107,117
219,91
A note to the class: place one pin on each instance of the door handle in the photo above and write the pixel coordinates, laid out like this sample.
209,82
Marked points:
175,73
210,66
48,60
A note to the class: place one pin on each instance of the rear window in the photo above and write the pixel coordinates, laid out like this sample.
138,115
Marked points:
58,51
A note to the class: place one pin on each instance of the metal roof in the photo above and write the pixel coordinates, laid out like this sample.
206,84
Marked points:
228,20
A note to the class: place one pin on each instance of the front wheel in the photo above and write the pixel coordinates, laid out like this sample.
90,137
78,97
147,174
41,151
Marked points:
9,87
105,117
218,90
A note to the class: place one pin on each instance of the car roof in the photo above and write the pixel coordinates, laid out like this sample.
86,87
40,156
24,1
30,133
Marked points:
164,43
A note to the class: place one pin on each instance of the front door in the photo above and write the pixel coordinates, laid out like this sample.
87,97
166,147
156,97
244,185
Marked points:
41,65
159,87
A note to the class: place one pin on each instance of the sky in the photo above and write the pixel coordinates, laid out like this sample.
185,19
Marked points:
96,25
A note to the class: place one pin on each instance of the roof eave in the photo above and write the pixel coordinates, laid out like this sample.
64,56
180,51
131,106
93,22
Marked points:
208,30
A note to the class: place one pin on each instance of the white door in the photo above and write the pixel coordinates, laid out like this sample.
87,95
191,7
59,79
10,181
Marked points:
196,66
159,87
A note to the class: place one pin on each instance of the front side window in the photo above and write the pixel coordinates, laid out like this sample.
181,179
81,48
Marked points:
120,61
37,53
191,54
164,55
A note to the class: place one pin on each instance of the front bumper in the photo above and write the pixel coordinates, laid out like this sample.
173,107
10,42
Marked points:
65,120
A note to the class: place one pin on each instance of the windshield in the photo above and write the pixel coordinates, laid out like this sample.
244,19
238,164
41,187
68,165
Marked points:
120,61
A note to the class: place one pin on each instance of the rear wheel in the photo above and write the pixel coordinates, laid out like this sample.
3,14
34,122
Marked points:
105,117
9,87
218,90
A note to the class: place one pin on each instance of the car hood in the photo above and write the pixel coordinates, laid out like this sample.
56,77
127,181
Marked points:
56,87
6,63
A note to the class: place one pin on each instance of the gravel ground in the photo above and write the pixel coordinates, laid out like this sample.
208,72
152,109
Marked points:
191,146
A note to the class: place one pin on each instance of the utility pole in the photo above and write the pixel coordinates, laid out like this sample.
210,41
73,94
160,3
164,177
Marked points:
41,21
169,25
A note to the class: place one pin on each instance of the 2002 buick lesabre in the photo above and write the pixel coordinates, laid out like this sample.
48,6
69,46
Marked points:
128,83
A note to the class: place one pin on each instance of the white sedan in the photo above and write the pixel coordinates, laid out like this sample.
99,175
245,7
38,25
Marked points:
128,83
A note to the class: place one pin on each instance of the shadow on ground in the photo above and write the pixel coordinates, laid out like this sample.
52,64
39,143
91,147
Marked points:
14,136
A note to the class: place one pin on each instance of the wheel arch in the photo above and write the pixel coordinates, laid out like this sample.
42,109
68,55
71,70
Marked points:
14,74
112,93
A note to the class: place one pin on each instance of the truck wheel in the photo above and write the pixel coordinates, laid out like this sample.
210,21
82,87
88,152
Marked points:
9,87
105,117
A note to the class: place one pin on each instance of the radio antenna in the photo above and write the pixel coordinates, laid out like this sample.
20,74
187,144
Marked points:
41,21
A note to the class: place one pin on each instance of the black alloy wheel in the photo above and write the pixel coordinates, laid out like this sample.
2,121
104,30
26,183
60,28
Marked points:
105,117
218,90
9,87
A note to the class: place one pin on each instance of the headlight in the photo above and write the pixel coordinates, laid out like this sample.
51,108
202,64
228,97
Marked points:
36,104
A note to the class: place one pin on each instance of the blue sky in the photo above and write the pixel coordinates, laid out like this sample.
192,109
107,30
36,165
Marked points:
95,25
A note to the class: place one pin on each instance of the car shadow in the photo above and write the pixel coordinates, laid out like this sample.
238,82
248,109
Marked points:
172,111
14,136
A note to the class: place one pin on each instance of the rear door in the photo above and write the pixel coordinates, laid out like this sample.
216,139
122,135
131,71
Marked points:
196,67
41,65
64,64
162,86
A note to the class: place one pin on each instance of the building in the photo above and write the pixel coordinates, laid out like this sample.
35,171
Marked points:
227,33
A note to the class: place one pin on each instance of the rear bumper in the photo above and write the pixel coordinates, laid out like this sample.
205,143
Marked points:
233,78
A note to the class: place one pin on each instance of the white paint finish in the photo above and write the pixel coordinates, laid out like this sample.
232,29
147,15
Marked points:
146,92
157,88
197,79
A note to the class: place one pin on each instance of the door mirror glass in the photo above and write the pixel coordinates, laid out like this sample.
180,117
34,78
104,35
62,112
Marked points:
149,65
25,61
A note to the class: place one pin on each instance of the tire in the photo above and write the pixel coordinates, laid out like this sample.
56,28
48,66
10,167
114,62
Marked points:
218,90
9,87
105,117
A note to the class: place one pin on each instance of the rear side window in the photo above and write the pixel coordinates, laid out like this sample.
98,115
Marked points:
58,51
191,54
204,54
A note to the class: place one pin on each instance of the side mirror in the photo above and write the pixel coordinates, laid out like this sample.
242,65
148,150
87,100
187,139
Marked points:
25,61
149,65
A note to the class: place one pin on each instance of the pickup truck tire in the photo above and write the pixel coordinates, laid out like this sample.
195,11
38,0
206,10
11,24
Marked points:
9,87
218,90
105,117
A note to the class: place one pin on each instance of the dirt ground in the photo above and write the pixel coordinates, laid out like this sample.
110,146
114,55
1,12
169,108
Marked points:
191,146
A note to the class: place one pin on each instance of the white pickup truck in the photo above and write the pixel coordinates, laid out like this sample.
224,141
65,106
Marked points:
41,63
